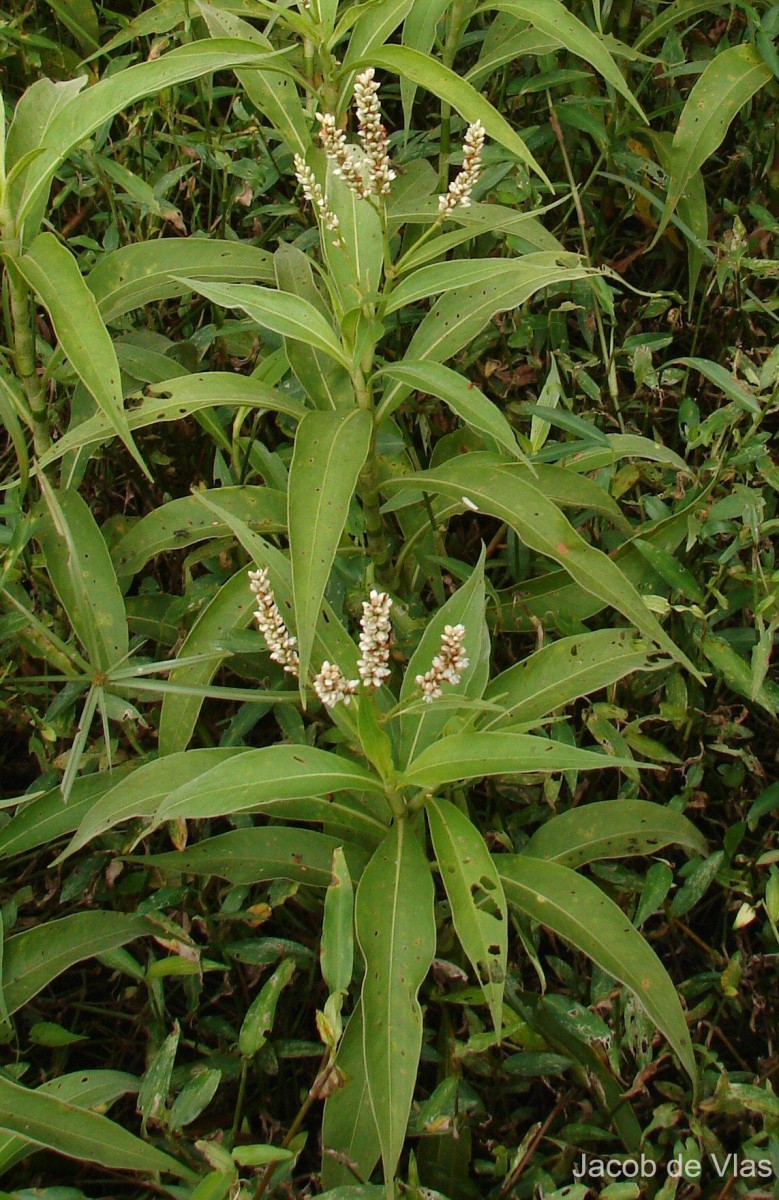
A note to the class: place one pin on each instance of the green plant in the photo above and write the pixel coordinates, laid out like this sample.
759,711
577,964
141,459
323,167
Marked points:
328,484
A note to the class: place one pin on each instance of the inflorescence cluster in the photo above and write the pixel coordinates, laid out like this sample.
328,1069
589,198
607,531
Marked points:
330,684
366,168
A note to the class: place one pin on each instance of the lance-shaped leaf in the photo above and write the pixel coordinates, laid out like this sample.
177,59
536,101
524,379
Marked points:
185,521
348,1125
290,316
553,19
246,856
178,398
83,1089
612,829
143,272
330,451
38,955
77,1132
452,89
337,946
463,397
578,911
52,272
460,315
472,883
271,773
726,84
474,755
396,933
140,795
73,121
563,671
326,383
506,492
83,576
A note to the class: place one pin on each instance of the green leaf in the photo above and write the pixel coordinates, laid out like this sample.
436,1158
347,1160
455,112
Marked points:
143,272
274,96
270,774
153,1094
78,1133
432,75
45,818
737,674
348,1125
578,911
139,794
83,576
438,278
291,316
563,671
612,829
177,398
195,1096
372,29
355,266
337,946
330,450
228,611
51,270
260,1155
326,383
38,955
503,492
724,87
396,933
460,316
83,1089
475,893
85,112
419,31
185,521
463,397
246,856
474,755
552,18
261,1013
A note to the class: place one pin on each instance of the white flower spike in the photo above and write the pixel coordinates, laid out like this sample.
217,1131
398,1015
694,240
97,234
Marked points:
448,665
374,639
332,687
459,193
278,639
372,134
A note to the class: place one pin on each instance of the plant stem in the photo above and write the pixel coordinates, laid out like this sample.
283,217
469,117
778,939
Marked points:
24,339
608,358
314,1092
448,56
369,488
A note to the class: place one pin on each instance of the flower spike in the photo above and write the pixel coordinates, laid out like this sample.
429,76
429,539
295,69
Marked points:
374,639
278,639
460,188
447,666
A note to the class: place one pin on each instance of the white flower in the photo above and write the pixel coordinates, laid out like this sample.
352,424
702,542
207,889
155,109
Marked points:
342,156
460,188
278,639
332,686
372,134
447,666
313,193
374,639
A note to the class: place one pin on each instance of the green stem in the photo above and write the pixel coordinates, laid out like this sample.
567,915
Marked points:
448,55
378,548
24,339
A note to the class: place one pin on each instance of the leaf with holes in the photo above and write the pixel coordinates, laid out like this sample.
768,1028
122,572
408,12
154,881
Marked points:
578,911
612,829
